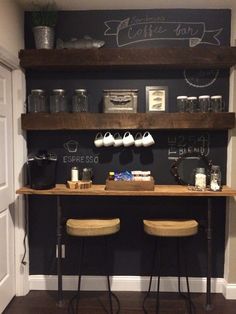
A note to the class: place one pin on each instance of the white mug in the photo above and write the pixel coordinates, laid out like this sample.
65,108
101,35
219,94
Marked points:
118,141
147,139
138,139
128,139
98,141
108,139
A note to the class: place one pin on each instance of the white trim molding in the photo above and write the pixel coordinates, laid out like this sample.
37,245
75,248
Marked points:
131,283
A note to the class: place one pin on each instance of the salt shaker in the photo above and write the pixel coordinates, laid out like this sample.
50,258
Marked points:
215,178
200,178
74,174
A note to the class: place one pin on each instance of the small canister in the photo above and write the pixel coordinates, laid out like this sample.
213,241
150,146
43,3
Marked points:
216,103
200,178
204,103
80,101
58,101
215,178
182,103
74,174
192,105
37,101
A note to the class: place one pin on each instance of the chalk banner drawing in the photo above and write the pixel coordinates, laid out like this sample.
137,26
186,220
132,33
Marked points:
179,145
130,30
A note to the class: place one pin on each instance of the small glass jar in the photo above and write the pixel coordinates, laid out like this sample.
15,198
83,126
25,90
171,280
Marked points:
200,178
192,105
216,103
215,178
182,102
74,174
58,101
37,101
80,101
204,103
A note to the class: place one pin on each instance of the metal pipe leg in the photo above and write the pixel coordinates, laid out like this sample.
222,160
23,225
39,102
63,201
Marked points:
158,278
209,254
152,272
108,274
80,273
59,259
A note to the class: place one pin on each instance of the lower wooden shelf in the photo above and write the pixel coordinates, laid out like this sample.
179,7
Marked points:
109,121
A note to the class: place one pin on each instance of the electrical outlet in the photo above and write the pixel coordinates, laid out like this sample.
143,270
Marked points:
63,251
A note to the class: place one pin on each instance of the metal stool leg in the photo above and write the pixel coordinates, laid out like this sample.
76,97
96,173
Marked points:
188,297
151,276
71,308
110,293
158,279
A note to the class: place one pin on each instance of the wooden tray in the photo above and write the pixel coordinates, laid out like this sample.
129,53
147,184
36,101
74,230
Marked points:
130,185
79,185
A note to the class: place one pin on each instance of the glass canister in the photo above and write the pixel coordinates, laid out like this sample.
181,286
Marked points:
58,101
204,103
192,105
200,178
37,101
216,103
80,100
215,178
182,103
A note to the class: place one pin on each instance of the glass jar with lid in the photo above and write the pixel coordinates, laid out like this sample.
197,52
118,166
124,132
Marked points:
192,105
37,101
204,103
182,102
59,101
200,178
80,100
216,103
215,178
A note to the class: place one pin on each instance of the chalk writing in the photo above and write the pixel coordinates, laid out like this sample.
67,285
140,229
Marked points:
182,144
81,159
133,30
200,78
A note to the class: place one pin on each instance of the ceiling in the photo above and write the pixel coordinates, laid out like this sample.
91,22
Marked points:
132,4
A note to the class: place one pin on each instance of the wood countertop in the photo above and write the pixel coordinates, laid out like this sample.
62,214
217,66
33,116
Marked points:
99,190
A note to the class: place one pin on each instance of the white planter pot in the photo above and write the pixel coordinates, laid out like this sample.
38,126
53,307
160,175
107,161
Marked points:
43,37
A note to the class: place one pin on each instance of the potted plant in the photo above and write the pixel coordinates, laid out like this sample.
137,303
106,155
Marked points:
44,18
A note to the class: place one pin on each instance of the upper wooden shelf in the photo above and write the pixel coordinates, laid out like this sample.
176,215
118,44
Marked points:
127,58
109,121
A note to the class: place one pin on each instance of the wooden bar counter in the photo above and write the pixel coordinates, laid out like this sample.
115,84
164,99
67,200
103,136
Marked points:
99,190
159,191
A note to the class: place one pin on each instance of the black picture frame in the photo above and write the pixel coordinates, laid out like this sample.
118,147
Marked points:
156,98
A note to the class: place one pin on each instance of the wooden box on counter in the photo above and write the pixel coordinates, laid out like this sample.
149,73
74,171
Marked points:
130,185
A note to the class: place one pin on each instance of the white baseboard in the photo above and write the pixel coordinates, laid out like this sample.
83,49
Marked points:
131,283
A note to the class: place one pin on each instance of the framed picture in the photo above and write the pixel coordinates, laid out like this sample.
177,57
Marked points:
156,98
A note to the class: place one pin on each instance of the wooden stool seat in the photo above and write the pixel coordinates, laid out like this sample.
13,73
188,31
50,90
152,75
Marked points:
92,227
171,228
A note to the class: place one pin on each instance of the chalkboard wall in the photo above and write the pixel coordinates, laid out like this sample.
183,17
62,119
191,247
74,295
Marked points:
131,247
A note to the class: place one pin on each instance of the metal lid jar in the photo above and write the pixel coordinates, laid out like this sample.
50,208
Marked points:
37,101
215,178
59,101
80,100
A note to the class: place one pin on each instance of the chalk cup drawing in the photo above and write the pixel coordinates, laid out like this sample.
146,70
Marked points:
71,146
156,98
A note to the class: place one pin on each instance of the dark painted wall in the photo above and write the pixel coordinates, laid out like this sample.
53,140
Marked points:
131,247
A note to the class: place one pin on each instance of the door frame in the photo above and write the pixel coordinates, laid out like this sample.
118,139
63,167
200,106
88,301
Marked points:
19,158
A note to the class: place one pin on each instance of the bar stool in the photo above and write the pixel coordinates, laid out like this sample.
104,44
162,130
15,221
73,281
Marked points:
170,228
84,228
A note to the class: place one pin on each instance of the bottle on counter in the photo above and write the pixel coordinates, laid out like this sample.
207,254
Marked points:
200,178
215,178
74,174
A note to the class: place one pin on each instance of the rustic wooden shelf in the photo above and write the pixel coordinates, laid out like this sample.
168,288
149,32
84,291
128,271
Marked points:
126,58
109,121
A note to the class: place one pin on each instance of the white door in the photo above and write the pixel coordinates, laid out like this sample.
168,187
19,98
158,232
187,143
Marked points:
7,276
